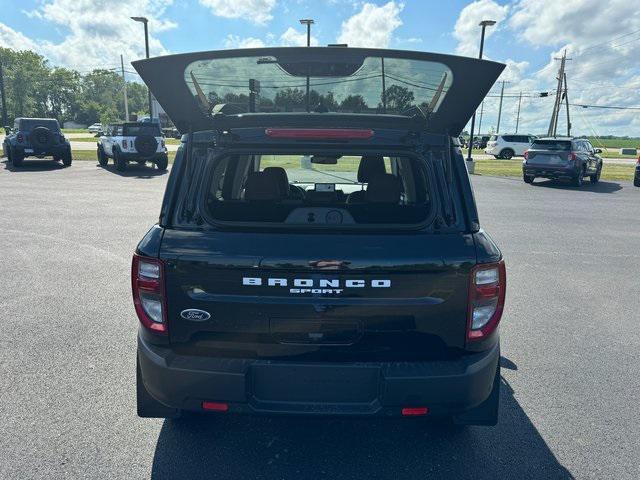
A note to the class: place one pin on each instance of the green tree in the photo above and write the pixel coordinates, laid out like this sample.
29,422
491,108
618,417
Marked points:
353,103
398,98
63,94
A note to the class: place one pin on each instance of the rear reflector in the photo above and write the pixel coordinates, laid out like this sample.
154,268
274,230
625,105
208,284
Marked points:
414,411
215,406
319,133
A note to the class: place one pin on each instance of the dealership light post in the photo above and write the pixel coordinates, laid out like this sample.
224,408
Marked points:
308,22
145,21
484,24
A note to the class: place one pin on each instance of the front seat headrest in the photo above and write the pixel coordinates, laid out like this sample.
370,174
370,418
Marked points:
385,188
370,166
262,187
279,175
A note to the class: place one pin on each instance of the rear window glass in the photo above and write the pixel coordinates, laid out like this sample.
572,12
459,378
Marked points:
142,129
31,123
319,190
554,145
493,138
363,85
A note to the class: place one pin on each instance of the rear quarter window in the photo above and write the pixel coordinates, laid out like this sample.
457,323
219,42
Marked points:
30,124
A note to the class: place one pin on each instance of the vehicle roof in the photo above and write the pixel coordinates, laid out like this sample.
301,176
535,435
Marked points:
564,139
36,118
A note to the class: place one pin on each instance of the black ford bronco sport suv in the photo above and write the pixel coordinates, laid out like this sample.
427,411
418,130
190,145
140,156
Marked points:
36,137
318,250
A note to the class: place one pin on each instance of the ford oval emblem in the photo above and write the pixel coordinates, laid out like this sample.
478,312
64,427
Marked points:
195,315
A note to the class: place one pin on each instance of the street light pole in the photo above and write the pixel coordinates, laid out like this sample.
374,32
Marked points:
308,22
484,24
145,21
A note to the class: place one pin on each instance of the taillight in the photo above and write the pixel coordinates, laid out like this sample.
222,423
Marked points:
638,162
526,154
572,156
125,144
147,283
20,138
319,133
486,299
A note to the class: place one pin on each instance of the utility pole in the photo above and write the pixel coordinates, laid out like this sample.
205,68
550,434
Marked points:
553,124
566,99
500,107
484,24
518,115
124,85
308,22
480,123
3,98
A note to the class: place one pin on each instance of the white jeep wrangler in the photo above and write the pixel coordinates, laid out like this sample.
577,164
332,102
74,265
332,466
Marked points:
132,142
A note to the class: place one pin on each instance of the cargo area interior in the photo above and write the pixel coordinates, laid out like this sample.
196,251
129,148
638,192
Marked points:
321,189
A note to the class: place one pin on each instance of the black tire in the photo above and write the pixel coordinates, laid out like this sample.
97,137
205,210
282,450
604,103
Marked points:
67,158
507,154
162,162
103,160
121,163
595,178
636,180
497,156
147,406
41,137
16,158
528,178
7,152
146,145
578,180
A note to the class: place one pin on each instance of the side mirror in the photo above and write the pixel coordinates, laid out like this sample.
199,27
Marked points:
598,150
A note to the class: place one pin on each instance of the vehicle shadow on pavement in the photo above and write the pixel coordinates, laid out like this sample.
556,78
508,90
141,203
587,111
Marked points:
600,187
135,171
30,165
233,447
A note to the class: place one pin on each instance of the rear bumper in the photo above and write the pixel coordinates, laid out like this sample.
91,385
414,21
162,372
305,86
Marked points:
54,150
558,173
276,387
136,157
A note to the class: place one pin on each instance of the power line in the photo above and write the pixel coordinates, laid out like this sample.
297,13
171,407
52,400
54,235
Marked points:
614,107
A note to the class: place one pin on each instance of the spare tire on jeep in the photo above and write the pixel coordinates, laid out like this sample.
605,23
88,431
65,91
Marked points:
146,145
41,137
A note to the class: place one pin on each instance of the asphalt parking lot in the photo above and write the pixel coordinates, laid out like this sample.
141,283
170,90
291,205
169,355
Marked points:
571,347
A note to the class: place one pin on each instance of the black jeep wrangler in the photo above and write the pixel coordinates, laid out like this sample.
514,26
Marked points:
36,137
311,260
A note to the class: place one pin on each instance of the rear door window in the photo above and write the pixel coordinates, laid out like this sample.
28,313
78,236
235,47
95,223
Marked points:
319,190
29,124
142,129
554,145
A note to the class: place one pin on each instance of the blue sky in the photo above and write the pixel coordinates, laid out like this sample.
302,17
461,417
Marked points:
602,37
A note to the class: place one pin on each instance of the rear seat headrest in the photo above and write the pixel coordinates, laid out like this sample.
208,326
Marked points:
261,186
370,166
279,175
384,188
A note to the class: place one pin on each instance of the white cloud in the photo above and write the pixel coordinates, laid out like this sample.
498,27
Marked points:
234,41
93,36
373,26
9,38
467,31
257,11
294,38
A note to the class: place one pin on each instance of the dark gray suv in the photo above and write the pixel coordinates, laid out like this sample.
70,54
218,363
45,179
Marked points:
36,137
562,158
